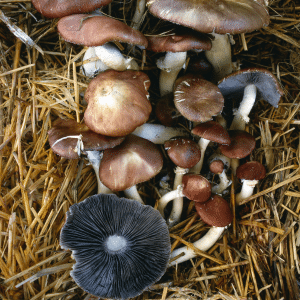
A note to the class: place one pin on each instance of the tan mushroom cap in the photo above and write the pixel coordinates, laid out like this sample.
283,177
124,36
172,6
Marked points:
219,16
197,99
134,161
67,147
88,30
61,8
117,102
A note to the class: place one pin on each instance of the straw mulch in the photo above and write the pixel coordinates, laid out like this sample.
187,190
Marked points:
258,256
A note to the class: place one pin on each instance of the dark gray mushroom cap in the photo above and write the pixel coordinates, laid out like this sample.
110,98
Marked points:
120,246
268,88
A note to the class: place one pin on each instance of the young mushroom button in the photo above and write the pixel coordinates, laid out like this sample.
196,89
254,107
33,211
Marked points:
120,247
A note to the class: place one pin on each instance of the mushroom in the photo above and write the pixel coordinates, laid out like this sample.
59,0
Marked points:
120,246
249,85
135,161
249,173
215,212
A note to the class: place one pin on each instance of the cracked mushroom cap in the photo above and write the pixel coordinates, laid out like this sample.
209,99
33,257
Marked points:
67,147
218,16
252,170
197,99
268,88
242,144
183,152
212,131
117,102
61,8
215,212
121,247
134,161
89,30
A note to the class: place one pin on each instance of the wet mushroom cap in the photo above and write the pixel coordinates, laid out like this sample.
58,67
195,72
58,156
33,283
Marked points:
232,86
219,16
212,131
88,30
242,144
134,161
120,246
197,99
68,147
252,170
196,187
215,212
117,102
183,152
60,8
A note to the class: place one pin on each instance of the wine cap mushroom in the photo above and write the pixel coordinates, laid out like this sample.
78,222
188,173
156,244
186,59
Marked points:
120,246
117,102
61,8
65,134
134,161
197,99
216,166
252,170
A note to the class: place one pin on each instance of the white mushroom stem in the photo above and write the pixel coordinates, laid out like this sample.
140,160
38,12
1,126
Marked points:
170,66
132,193
223,184
246,191
220,56
94,158
241,115
203,244
203,143
138,14
157,133
95,66
178,202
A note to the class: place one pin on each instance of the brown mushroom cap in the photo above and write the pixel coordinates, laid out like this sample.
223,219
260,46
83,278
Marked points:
196,187
219,16
60,8
166,111
212,131
242,144
68,147
197,99
252,170
88,30
216,166
184,152
134,161
215,212
117,102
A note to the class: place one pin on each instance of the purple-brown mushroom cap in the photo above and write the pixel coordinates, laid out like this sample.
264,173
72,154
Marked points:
252,170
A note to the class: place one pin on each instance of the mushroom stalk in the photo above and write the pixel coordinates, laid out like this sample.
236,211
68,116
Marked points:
170,66
246,191
223,185
241,114
138,14
132,193
203,244
220,56
95,66
203,143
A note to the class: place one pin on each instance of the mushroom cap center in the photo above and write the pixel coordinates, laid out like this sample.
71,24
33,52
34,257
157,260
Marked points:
115,243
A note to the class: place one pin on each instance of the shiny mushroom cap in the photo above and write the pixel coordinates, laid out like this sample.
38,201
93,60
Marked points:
64,136
89,30
120,246
134,161
117,102
252,170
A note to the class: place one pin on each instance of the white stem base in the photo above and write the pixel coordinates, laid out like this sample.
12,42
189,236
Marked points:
203,244
138,14
203,143
132,193
246,191
91,68
223,185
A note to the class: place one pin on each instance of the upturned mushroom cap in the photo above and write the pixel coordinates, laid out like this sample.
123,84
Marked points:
179,42
61,8
183,152
197,99
88,30
219,16
242,144
134,161
117,102
120,246
215,212
232,86
196,187
212,131
252,170
67,147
